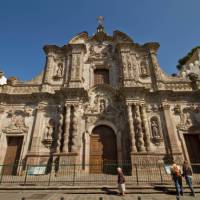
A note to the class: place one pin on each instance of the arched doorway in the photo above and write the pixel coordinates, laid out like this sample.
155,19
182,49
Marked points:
103,150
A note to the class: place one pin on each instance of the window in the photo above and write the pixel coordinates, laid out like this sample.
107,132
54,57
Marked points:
101,76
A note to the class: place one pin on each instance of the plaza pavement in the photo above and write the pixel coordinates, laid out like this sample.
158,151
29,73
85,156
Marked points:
61,195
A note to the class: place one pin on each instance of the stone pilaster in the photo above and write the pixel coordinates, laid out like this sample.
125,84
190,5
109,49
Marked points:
38,128
170,129
132,132
146,128
67,129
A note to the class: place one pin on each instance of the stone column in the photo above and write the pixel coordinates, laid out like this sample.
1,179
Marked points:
170,129
75,141
59,134
132,132
146,128
138,129
66,130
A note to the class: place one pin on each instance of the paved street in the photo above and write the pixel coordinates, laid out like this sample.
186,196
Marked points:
57,195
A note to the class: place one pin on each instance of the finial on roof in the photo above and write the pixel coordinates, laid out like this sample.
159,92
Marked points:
100,20
100,27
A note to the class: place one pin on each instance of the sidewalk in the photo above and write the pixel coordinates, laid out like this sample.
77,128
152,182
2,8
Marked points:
60,195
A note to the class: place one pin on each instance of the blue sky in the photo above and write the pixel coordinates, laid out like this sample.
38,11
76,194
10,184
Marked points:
27,25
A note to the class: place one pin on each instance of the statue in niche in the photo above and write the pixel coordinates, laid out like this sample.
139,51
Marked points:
59,71
155,128
102,105
143,69
48,137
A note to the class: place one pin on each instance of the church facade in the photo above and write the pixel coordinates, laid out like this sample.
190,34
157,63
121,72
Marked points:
101,99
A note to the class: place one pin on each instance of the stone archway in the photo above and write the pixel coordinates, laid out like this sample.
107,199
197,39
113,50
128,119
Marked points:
103,150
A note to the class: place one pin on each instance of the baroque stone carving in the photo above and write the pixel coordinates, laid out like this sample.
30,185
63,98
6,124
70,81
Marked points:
17,123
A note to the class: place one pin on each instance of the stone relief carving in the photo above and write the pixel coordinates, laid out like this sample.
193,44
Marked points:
17,122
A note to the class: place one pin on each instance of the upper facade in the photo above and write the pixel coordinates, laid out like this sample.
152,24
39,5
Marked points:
115,60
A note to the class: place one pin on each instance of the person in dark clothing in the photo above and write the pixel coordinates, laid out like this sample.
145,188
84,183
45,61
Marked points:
121,181
177,178
187,173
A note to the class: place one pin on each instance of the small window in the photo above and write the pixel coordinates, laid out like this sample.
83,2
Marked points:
101,76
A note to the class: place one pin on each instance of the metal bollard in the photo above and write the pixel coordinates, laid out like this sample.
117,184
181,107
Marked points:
23,198
100,198
139,198
62,198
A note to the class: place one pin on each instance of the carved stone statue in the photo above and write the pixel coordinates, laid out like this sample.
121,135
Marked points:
155,128
144,71
102,105
59,71
48,137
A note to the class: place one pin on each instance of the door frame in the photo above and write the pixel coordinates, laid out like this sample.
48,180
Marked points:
7,136
117,134
181,134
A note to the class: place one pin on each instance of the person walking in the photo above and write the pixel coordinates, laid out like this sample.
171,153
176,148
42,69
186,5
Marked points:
121,181
187,174
177,178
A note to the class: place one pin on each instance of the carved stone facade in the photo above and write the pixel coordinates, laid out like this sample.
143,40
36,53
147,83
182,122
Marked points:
149,112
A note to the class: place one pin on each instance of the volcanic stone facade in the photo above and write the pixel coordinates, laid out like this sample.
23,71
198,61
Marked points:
98,82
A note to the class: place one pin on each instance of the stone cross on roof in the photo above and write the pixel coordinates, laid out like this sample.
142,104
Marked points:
100,20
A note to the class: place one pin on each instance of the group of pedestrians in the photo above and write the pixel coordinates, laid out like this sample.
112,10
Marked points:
176,176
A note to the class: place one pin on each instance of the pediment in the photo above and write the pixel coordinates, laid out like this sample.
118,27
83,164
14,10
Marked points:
81,38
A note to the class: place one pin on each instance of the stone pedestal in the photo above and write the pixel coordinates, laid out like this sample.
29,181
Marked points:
65,163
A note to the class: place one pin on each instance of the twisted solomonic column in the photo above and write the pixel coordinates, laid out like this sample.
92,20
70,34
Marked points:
146,128
66,130
138,129
132,132
59,135
74,131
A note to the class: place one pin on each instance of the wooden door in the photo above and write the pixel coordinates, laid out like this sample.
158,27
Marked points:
103,150
11,161
193,147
